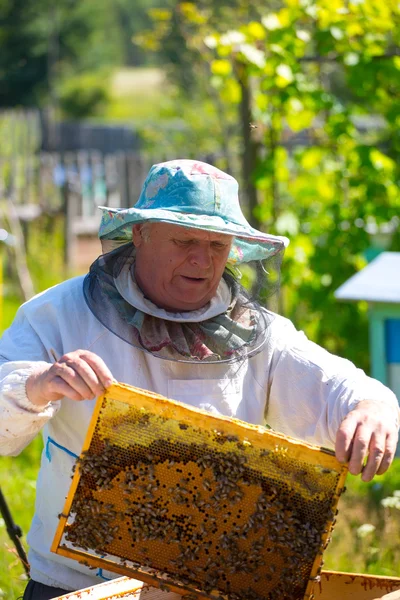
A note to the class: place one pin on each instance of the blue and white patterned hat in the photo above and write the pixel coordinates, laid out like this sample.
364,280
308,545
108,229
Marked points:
193,194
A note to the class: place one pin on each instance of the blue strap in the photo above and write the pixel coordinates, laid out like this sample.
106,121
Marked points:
51,441
100,574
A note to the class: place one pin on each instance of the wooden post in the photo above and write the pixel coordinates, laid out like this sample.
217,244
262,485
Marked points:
10,216
249,154
136,176
111,175
70,210
122,179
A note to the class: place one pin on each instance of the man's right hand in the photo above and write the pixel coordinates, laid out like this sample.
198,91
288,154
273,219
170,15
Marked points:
78,375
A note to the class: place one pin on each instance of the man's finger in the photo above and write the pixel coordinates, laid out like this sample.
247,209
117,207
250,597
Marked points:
99,367
69,372
344,438
360,448
390,450
84,374
376,453
60,388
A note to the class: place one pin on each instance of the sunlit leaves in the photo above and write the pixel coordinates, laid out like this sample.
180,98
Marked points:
337,33
159,14
253,55
319,73
272,22
351,59
190,12
287,224
281,167
284,75
311,158
221,67
301,250
256,31
230,91
381,162
211,41
232,38
303,35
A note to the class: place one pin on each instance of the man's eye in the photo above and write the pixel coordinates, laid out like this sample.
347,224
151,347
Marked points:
219,245
182,242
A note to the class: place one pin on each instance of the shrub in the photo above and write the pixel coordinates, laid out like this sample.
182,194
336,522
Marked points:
83,95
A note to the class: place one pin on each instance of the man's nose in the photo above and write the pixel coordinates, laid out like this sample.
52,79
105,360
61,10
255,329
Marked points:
200,256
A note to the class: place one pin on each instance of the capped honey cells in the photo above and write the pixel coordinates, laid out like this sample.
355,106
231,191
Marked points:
199,504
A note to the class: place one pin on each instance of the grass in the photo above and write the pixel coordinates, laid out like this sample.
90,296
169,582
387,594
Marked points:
18,484
137,95
137,82
169,124
361,549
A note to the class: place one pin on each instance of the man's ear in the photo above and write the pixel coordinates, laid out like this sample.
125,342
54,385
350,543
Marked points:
137,238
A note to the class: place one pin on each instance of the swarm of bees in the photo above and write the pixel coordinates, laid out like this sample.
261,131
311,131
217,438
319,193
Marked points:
201,509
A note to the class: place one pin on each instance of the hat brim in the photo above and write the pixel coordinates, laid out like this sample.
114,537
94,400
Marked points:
248,244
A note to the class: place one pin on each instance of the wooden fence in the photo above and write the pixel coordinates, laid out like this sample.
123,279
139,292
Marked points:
71,183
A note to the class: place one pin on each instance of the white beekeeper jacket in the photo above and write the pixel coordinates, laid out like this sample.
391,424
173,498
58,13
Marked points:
293,384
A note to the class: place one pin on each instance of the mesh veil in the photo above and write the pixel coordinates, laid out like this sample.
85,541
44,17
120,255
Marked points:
240,332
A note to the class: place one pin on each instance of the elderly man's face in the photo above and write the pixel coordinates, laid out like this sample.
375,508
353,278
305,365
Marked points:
177,268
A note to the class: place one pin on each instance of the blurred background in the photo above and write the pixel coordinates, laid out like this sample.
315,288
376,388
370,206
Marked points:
299,100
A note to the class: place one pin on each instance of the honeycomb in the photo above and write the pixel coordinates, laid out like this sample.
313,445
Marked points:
198,504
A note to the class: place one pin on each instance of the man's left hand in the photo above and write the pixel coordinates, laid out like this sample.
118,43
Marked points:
367,439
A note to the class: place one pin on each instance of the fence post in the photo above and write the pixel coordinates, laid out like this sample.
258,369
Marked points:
70,210
122,179
135,176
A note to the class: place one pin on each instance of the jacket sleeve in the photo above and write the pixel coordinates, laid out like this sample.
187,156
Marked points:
311,391
22,352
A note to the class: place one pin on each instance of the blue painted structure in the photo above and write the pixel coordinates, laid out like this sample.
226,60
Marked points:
379,284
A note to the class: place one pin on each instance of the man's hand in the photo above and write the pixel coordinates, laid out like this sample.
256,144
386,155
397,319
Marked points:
79,375
367,438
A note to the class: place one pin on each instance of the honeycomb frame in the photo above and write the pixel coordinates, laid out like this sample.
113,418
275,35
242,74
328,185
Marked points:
198,504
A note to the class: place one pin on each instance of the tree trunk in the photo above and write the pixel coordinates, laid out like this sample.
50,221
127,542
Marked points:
249,155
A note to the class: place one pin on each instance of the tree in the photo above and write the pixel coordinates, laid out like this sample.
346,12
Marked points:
43,42
309,171
133,18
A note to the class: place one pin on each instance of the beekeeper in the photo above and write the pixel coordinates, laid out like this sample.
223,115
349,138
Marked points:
164,309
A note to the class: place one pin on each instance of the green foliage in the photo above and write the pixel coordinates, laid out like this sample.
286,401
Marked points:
138,96
366,537
84,95
23,61
43,42
45,239
9,307
198,129
133,18
320,68
379,488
